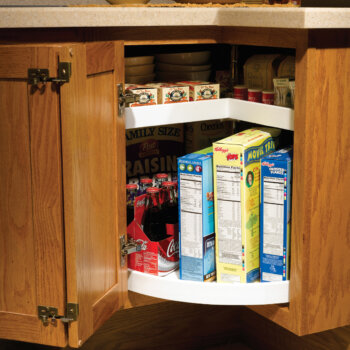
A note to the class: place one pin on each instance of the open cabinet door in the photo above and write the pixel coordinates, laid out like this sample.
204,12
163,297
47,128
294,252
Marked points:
32,267
93,156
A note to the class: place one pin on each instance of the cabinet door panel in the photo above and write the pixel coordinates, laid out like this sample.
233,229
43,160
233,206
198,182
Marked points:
31,210
94,191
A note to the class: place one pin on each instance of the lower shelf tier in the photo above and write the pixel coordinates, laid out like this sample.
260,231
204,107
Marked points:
171,287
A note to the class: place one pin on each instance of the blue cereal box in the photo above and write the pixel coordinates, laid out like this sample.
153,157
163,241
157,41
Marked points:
196,216
275,213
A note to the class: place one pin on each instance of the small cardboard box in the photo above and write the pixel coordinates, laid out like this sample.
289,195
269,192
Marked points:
202,91
196,213
275,213
237,200
171,93
202,134
148,96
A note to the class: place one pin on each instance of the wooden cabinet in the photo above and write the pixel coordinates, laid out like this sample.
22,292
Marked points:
62,191
62,180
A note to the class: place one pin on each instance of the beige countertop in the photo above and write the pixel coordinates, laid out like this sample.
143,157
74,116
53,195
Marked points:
58,17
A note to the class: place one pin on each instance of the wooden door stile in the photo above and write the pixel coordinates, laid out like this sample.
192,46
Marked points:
93,174
32,237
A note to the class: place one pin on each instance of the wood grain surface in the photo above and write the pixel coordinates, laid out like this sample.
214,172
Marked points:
320,260
275,37
92,191
31,232
192,327
100,57
267,335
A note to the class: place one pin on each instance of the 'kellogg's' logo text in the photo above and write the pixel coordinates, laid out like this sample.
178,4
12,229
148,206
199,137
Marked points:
268,164
220,149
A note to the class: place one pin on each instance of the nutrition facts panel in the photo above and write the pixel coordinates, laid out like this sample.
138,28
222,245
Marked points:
191,215
273,215
228,185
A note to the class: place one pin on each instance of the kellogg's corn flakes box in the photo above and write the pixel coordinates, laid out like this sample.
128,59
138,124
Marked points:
236,166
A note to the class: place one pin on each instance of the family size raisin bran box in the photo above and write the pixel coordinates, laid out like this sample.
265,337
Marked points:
196,216
236,167
152,150
275,214
202,91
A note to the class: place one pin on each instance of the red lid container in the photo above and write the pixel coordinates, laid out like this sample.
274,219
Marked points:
254,95
240,92
168,184
131,186
153,190
268,97
146,181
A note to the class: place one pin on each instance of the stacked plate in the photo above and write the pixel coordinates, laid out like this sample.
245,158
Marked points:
183,66
139,70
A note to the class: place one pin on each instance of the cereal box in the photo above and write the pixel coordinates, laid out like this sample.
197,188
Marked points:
152,150
171,93
196,211
275,213
148,96
201,91
236,165
202,134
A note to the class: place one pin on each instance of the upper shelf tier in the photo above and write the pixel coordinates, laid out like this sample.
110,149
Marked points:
171,287
279,117
56,17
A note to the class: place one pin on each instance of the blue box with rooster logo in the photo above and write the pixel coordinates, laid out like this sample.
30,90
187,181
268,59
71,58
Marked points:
196,216
275,215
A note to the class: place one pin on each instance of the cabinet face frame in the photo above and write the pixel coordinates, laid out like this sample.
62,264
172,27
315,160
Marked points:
299,315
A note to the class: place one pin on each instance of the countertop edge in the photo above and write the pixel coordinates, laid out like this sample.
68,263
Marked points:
76,17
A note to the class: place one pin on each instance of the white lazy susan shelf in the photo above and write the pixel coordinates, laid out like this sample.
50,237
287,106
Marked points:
225,108
171,287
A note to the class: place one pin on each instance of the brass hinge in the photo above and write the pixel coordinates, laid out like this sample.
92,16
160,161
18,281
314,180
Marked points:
48,314
39,75
124,99
129,247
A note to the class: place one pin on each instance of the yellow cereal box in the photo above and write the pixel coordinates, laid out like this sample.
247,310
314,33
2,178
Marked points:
236,165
